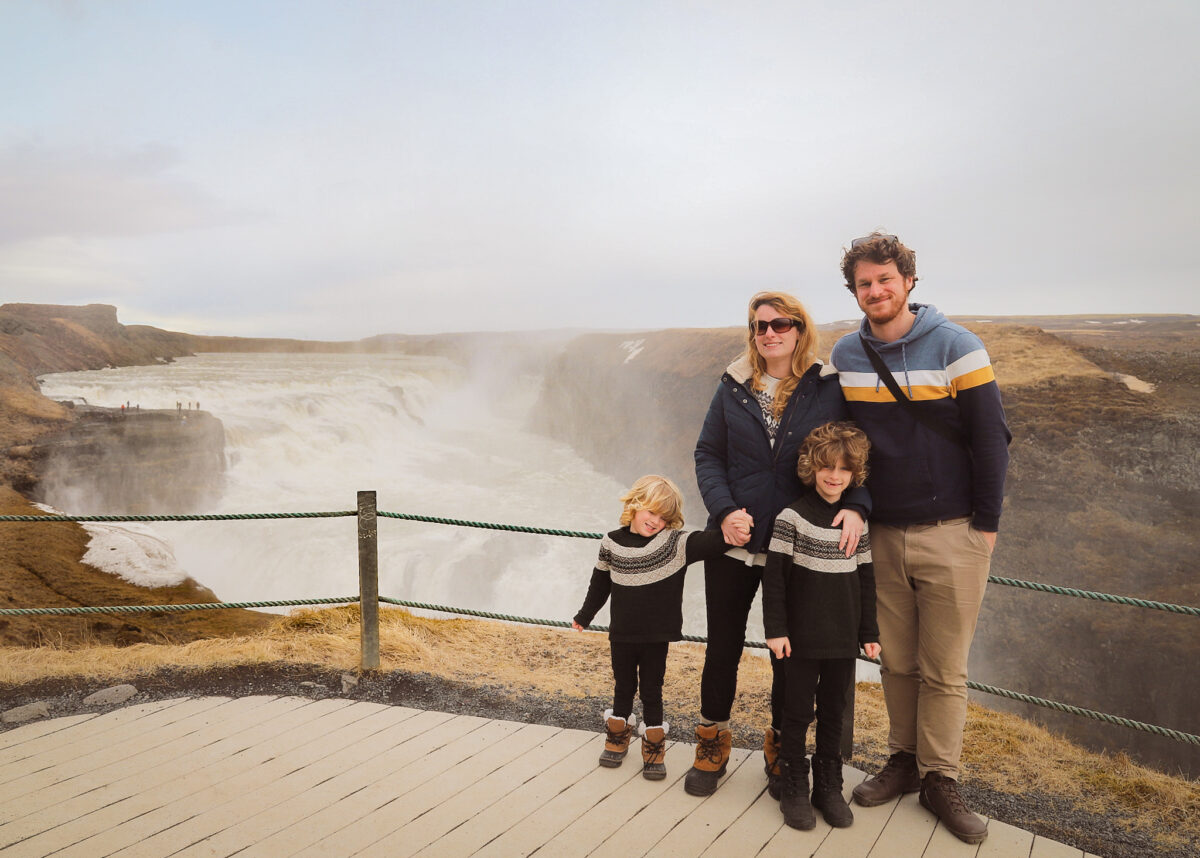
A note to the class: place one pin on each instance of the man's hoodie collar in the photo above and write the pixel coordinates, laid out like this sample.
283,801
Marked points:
928,318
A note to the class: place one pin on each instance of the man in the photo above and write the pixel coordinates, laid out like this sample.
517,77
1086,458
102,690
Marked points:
937,482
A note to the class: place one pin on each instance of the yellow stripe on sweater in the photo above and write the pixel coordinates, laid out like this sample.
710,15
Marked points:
919,393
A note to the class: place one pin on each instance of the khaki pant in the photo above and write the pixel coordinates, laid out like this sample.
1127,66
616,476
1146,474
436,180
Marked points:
929,583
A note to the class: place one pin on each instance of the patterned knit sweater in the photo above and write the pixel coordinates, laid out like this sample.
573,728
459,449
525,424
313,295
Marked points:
644,576
816,596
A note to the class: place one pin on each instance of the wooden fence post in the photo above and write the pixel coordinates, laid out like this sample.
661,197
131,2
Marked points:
368,580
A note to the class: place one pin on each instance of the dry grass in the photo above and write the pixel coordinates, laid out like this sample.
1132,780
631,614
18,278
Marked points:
1002,751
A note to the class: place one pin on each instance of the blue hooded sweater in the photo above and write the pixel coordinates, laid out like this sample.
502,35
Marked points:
916,474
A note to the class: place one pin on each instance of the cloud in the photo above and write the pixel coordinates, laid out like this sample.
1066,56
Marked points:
91,192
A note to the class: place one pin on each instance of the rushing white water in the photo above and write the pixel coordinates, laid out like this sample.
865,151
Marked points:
306,432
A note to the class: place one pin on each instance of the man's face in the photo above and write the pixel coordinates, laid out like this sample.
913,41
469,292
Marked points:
881,292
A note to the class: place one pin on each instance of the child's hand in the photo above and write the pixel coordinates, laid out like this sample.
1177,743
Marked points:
576,626
781,647
871,649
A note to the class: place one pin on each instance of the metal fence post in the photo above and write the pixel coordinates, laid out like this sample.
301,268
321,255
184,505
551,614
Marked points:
368,580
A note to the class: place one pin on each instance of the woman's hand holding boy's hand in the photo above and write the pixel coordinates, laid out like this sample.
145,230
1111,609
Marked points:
871,649
852,527
576,626
736,527
781,647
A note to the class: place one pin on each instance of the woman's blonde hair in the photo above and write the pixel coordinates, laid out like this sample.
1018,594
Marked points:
827,445
657,494
802,358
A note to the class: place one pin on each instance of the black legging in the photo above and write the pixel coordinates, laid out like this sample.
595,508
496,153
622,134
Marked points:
629,660
729,588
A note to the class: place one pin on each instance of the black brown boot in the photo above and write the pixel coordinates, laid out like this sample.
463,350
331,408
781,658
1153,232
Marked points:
898,777
793,802
654,751
616,743
940,796
772,743
712,757
827,791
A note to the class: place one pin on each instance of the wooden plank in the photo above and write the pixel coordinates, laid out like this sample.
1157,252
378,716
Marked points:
157,729
672,809
908,830
1044,847
943,844
558,775
751,831
426,732
619,807
708,819
112,817
1005,841
174,826
292,799
97,732
403,796
69,800
31,730
449,815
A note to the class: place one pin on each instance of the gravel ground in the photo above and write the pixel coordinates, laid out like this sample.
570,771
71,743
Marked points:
1043,814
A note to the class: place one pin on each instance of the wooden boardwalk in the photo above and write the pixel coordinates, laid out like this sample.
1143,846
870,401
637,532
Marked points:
278,776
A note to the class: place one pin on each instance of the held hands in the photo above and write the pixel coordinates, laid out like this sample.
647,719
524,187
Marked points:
736,527
852,528
781,647
871,649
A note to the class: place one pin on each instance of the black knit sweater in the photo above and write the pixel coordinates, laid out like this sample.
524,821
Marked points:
816,596
644,576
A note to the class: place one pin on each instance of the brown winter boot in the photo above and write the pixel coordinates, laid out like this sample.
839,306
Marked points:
654,751
898,777
940,796
616,744
712,756
827,791
772,743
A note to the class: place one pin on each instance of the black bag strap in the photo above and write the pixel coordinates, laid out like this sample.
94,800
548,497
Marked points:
918,413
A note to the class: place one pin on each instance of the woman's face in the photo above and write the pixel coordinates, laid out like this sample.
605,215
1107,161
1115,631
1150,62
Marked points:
776,348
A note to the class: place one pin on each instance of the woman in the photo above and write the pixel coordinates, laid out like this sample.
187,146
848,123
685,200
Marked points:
767,401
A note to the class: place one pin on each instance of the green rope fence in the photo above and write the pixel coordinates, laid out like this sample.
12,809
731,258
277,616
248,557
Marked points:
987,689
577,534
155,609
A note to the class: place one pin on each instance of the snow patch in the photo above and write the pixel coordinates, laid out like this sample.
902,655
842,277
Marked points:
1134,383
130,551
633,347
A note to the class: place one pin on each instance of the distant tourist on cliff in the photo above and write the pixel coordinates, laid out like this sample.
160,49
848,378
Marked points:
766,402
641,566
923,390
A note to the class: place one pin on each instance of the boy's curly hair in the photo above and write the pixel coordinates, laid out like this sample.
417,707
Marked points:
826,445
657,494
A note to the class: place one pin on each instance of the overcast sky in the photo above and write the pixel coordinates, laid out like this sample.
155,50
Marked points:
335,170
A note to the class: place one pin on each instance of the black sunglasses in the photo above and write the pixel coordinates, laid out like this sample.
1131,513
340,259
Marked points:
779,326
872,237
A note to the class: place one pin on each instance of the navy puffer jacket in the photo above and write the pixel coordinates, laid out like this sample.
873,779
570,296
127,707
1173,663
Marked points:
736,466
